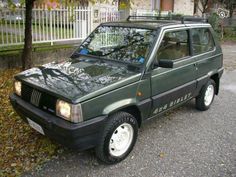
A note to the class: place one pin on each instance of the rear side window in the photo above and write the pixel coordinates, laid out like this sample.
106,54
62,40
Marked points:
202,40
174,45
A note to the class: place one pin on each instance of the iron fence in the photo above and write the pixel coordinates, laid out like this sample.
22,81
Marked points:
64,24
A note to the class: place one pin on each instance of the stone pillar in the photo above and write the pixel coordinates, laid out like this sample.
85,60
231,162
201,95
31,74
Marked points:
156,4
124,8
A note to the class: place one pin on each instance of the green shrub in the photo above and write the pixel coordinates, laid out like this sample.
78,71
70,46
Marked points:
215,22
230,31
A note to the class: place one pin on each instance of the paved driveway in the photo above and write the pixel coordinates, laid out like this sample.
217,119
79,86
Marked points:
186,142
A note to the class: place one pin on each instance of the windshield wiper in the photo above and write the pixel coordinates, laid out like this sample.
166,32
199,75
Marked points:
123,46
130,66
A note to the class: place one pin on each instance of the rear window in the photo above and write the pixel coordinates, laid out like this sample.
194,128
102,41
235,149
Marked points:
202,40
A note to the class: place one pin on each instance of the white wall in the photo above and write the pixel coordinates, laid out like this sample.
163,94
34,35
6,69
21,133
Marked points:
141,4
185,7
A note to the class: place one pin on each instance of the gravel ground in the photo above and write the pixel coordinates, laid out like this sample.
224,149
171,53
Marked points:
186,142
229,50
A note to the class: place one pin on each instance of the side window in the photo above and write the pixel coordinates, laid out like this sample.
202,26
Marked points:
174,45
202,40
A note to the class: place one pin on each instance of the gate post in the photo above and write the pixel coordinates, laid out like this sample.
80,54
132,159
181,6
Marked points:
50,21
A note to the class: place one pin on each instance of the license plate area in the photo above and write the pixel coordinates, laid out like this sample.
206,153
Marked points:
35,126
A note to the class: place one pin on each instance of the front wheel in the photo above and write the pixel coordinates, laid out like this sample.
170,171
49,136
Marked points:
206,96
118,138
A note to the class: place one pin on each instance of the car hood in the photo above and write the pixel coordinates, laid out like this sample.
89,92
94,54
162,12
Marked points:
75,78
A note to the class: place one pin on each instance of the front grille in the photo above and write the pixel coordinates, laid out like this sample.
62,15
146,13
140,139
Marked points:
26,92
35,97
39,99
48,102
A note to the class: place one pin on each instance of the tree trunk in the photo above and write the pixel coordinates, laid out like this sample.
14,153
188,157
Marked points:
27,51
231,10
204,6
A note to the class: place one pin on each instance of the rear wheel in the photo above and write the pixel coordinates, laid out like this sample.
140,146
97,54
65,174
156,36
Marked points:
118,138
206,96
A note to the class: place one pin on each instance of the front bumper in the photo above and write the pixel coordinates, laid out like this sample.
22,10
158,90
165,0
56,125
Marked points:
80,136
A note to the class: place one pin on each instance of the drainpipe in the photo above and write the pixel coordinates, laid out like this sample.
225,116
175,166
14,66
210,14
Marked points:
173,6
158,5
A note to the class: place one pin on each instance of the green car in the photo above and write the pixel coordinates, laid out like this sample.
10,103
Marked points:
123,74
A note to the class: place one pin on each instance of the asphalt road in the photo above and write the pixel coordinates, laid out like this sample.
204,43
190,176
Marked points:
184,143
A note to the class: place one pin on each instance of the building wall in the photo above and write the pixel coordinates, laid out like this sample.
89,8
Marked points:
142,4
185,7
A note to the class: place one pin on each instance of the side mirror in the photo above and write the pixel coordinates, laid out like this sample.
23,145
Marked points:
165,63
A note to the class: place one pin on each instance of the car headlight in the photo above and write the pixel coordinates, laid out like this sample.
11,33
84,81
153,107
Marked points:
17,88
69,111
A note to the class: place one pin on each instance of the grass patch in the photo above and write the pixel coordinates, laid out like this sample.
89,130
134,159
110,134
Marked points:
39,32
229,34
21,46
229,39
21,147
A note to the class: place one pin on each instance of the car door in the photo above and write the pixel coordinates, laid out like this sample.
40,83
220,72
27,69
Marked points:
207,55
173,86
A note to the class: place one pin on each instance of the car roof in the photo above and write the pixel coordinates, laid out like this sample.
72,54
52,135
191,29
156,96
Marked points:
154,24
138,24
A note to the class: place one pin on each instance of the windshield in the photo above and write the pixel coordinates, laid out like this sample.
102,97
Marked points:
129,45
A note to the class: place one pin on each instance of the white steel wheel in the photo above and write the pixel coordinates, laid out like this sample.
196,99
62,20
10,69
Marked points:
206,96
118,138
121,140
209,95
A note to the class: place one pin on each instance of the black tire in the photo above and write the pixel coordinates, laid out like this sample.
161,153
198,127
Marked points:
117,119
200,99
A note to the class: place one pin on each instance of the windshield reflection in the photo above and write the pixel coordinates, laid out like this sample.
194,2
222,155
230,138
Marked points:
129,45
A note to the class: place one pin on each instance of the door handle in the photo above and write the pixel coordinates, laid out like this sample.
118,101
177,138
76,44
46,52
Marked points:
195,65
